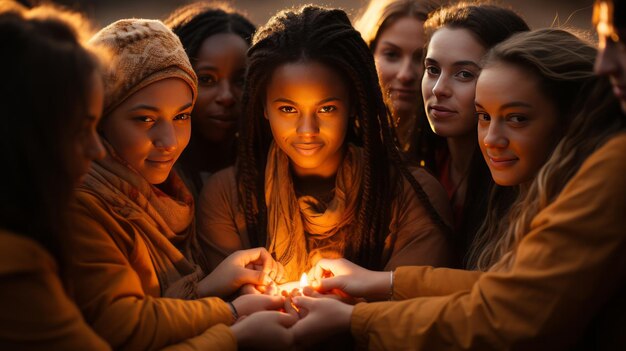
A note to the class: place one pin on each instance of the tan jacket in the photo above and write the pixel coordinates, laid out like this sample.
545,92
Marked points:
35,311
111,276
413,239
566,288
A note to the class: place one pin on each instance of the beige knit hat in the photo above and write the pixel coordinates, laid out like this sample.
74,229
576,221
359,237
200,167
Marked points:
141,52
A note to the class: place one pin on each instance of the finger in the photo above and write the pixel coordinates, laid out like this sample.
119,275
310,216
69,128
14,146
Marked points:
273,302
304,301
327,284
251,276
286,319
280,272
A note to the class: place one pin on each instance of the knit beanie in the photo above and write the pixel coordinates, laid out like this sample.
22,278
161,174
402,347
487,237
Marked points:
141,52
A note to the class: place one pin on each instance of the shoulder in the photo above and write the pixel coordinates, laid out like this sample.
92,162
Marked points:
433,190
19,254
220,187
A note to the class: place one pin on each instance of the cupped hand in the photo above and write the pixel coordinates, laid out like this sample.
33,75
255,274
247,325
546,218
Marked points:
248,304
268,330
320,319
332,275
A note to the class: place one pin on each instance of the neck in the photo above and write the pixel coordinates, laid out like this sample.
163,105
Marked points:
461,151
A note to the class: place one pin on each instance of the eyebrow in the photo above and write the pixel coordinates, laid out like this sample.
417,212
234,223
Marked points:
329,99
155,109
508,105
457,63
206,66
390,44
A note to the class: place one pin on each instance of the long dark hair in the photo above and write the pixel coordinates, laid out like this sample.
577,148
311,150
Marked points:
44,95
325,36
490,25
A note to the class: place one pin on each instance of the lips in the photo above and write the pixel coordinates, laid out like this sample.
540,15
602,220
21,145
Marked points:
160,162
620,92
440,111
307,149
501,162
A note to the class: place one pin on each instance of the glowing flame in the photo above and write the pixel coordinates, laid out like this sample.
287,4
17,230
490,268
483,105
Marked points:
304,281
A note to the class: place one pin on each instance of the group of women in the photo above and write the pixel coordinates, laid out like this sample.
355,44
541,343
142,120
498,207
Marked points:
447,177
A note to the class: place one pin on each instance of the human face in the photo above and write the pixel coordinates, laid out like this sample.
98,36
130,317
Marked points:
88,144
449,83
611,60
398,56
220,66
151,128
307,105
517,124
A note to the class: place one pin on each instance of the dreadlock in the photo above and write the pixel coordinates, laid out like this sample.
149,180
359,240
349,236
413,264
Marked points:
325,36
197,21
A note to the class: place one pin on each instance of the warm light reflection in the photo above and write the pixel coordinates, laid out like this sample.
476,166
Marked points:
304,281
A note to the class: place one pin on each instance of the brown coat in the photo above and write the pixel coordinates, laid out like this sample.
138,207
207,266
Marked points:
413,238
113,277
35,311
566,288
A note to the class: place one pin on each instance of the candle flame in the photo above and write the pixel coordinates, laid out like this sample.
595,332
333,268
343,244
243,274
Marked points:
304,280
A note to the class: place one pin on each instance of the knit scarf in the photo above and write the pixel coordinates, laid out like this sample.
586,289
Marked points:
302,230
163,218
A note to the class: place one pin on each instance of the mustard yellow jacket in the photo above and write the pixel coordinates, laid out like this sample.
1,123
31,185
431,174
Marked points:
566,288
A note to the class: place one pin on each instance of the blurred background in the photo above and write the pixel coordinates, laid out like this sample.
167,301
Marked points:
538,13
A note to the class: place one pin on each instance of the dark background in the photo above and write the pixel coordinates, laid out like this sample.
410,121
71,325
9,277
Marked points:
538,13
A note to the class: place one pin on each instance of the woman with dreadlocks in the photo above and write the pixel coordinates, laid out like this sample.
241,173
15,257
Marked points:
215,38
318,174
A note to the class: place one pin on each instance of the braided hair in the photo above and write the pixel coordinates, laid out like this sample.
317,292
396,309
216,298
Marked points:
195,22
325,36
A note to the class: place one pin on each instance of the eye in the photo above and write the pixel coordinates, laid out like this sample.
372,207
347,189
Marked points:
432,70
287,109
207,79
465,75
391,55
483,117
144,119
327,109
183,117
517,119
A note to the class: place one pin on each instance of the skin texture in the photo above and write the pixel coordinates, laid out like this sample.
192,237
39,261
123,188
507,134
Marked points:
398,57
151,128
307,106
449,82
611,60
88,144
220,66
517,123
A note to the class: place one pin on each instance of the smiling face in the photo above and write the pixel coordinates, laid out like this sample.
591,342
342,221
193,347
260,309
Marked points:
517,124
220,67
151,128
398,56
307,105
449,83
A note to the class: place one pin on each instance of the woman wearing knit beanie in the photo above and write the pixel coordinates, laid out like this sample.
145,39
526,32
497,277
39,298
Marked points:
135,267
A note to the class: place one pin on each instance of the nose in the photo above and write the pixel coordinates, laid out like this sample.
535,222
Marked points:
94,150
605,61
164,137
308,125
495,136
408,72
225,96
442,88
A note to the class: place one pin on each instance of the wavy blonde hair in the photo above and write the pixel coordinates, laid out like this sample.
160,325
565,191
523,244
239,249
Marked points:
563,63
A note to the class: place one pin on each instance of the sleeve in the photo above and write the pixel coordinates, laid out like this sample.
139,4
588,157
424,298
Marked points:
557,283
218,220
418,281
415,239
109,292
36,312
218,337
